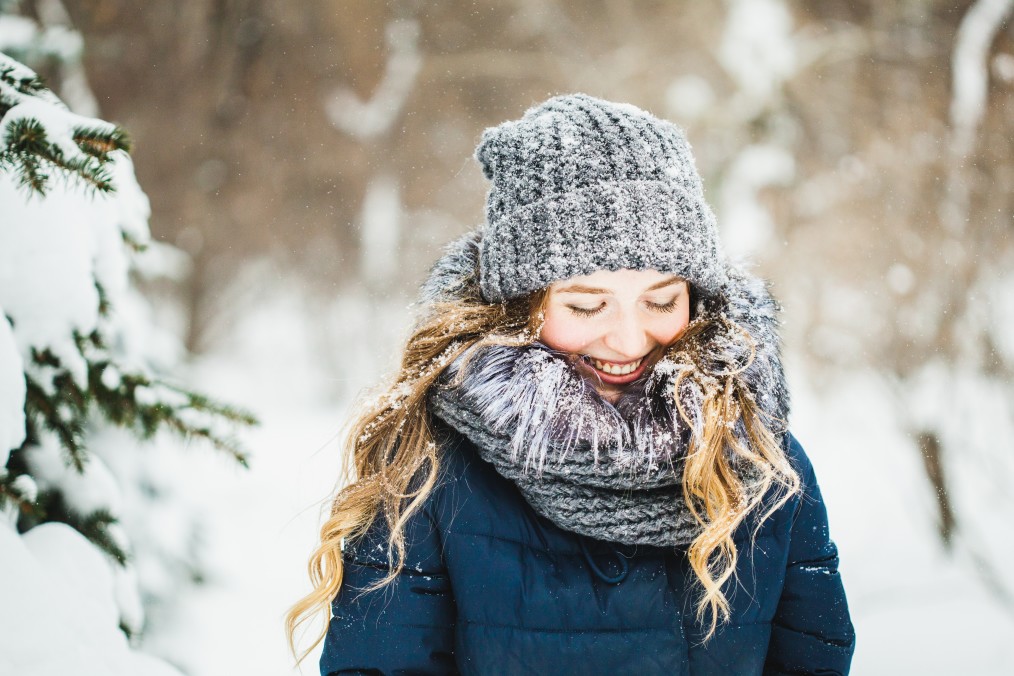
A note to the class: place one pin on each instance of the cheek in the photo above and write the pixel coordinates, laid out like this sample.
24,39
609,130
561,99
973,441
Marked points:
563,332
669,328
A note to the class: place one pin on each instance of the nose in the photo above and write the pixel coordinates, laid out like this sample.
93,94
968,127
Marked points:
627,337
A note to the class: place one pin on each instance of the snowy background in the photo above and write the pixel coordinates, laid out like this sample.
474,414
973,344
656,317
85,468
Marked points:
304,164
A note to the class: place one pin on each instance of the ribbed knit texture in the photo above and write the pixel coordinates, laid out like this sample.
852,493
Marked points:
581,184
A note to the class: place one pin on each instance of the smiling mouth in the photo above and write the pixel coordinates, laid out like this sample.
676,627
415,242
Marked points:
606,373
617,369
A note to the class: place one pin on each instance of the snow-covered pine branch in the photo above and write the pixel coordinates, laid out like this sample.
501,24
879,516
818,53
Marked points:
79,356
38,134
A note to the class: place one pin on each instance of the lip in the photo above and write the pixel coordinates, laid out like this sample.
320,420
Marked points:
611,379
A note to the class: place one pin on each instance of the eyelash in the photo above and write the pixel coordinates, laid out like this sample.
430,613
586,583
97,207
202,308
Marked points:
585,312
665,307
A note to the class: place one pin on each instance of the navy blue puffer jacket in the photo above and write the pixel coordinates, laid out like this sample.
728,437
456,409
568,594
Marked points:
491,587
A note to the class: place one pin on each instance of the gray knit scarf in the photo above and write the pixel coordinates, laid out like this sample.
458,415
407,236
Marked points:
608,471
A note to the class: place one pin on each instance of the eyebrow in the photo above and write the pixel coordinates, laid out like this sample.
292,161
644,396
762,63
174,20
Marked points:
580,288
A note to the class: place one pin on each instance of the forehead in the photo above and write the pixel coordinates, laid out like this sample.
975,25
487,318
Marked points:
615,282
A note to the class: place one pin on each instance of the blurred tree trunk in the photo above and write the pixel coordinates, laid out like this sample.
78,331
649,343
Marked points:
931,450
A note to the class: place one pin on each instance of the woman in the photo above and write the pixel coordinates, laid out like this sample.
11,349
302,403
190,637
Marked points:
582,465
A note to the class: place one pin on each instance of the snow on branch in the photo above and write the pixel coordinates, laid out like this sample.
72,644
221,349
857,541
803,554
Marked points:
76,352
26,40
374,117
57,25
38,133
970,85
757,49
970,68
85,375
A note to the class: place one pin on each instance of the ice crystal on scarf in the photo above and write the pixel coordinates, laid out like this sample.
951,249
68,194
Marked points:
549,411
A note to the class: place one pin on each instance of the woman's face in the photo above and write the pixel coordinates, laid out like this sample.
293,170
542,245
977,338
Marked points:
620,321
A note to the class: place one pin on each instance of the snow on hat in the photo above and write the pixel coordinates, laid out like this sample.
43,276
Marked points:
581,184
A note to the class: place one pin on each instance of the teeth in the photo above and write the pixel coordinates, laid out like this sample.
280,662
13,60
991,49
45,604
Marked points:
616,370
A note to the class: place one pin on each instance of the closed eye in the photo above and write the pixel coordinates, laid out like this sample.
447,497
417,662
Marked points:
665,307
585,311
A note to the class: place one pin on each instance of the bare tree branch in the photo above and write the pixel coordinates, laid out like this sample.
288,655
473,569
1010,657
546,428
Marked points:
368,119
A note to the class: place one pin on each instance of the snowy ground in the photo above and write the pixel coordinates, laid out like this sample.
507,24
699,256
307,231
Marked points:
262,522
916,609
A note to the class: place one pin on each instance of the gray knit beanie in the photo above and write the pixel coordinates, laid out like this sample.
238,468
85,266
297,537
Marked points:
581,184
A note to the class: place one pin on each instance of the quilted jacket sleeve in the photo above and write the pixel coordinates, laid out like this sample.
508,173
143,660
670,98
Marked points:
405,627
812,632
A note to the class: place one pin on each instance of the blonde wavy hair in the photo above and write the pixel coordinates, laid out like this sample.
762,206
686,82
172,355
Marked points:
395,460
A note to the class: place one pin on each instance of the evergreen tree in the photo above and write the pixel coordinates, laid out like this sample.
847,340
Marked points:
72,227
